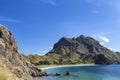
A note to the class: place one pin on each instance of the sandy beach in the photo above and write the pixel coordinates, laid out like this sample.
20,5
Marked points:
54,66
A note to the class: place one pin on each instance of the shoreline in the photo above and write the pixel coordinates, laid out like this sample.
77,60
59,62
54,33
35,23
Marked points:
57,66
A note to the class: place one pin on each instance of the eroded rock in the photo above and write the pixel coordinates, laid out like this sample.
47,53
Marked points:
12,59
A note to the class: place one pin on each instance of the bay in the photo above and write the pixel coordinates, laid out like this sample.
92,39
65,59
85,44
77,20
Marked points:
94,72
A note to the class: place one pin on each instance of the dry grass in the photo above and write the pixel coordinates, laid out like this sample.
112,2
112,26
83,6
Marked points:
5,74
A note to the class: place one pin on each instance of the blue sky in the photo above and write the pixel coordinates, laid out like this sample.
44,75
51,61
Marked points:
38,24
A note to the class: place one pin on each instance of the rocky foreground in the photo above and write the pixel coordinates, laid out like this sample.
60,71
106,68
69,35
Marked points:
12,62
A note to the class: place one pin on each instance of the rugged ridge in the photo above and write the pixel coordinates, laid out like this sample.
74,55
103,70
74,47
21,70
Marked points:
82,50
11,59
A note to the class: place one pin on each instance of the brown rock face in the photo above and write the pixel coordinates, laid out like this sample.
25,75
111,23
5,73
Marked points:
8,46
12,59
83,50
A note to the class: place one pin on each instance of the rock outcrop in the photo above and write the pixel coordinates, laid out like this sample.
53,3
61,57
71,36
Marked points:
12,60
82,50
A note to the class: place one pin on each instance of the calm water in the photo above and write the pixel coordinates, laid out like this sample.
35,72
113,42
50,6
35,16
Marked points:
96,72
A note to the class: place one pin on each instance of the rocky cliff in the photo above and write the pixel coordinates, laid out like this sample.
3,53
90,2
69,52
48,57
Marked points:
82,50
11,60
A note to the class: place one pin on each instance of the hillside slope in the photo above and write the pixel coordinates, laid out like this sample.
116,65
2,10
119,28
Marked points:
82,50
11,61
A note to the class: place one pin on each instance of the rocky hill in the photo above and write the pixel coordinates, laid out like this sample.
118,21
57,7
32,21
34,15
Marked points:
12,63
82,50
16,66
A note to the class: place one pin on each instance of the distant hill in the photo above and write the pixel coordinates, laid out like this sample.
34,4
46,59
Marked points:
82,50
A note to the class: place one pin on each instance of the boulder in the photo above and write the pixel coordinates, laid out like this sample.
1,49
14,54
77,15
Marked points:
58,74
67,73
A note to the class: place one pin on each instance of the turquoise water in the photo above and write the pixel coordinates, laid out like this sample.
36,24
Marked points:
96,72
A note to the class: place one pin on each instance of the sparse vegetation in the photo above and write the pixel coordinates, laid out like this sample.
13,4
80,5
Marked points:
13,66
46,62
6,75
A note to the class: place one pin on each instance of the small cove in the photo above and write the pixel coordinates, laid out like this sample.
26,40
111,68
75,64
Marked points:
84,72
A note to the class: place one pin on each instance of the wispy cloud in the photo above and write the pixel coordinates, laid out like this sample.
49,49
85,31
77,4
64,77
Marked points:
111,49
7,19
104,38
51,2
102,43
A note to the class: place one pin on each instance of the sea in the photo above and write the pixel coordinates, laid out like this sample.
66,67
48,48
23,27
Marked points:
84,72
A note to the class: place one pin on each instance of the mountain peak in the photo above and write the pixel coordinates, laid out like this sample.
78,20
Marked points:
83,48
64,41
81,41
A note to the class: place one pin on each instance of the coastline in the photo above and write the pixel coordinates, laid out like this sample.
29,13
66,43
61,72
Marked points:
57,66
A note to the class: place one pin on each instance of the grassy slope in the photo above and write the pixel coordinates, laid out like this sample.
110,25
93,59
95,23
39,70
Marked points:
5,74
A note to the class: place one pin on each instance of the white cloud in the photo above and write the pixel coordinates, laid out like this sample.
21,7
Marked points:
105,39
51,2
102,43
111,49
101,37
6,19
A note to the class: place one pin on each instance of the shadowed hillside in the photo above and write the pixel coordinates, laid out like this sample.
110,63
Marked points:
83,50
